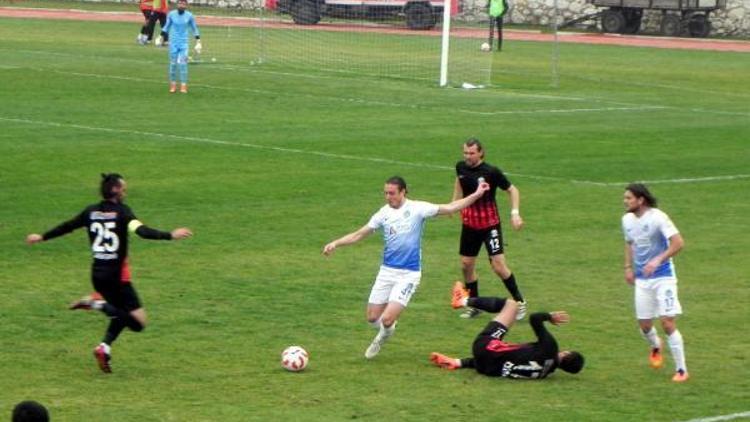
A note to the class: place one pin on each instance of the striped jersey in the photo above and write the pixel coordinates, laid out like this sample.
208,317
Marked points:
483,213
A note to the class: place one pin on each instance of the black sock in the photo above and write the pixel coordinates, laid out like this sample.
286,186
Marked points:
472,287
113,331
510,284
488,304
123,315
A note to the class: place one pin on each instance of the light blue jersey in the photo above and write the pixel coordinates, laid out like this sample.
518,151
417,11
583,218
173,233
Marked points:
648,236
178,25
402,232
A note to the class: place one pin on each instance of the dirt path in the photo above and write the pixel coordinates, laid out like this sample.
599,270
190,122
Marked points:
566,37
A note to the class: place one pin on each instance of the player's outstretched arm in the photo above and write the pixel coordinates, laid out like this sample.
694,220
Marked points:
462,203
61,230
145,232
348,239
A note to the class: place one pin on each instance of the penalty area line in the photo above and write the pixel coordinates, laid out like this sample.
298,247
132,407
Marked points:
722,417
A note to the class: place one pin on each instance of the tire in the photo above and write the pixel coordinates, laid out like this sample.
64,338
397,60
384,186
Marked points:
305,12
613,21
632,21
699,26
671,25
419,16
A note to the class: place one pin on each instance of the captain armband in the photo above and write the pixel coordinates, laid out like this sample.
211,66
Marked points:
133,225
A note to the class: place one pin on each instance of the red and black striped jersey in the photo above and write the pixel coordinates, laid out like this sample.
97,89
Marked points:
483,213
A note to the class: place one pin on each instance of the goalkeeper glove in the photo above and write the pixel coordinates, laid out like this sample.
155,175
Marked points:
198,47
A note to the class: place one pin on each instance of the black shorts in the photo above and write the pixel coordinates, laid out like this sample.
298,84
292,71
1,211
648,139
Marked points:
472,240
486,361
116,292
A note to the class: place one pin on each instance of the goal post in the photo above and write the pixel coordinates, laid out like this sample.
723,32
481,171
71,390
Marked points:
400,39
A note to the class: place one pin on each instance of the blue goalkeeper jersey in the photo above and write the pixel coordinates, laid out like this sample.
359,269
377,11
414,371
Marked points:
178,26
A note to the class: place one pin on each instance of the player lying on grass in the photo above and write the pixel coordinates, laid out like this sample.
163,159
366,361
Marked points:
108,223
494,357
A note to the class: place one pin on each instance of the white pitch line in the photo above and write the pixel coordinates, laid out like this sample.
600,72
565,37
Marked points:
722,417
564,110
670,181
346,156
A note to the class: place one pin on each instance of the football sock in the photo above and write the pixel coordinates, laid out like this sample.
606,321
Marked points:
678,350
375,324
123,316
107,349
488,304
510,284
472,287
113,331
386,332
652,337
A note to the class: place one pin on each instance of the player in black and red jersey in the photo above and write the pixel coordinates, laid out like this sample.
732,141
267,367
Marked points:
494,357
108,223
481,222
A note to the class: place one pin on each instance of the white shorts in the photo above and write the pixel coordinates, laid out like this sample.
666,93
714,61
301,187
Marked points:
656,297
394,285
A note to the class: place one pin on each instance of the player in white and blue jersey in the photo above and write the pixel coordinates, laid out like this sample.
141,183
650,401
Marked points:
402,223
651,240
179,23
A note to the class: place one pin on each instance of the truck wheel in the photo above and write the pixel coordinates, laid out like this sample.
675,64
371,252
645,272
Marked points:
613,21
305,12
671,25
699,26
419,16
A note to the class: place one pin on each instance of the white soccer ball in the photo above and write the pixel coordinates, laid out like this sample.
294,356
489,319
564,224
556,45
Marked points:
294,358
485,46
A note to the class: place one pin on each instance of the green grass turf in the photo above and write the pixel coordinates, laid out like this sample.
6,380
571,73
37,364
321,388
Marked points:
267,167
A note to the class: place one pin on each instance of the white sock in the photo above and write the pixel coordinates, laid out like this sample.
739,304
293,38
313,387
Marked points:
652,337
375,324
97,304
386,332
678,350
106,347
463,301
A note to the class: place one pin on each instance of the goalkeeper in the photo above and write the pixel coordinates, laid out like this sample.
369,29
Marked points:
179,22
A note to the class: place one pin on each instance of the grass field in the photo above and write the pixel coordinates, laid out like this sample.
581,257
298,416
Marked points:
266,167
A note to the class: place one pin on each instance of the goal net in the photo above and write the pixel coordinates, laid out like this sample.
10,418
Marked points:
400,39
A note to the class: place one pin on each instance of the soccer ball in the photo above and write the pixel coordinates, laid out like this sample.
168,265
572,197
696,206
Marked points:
294,358
485,47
